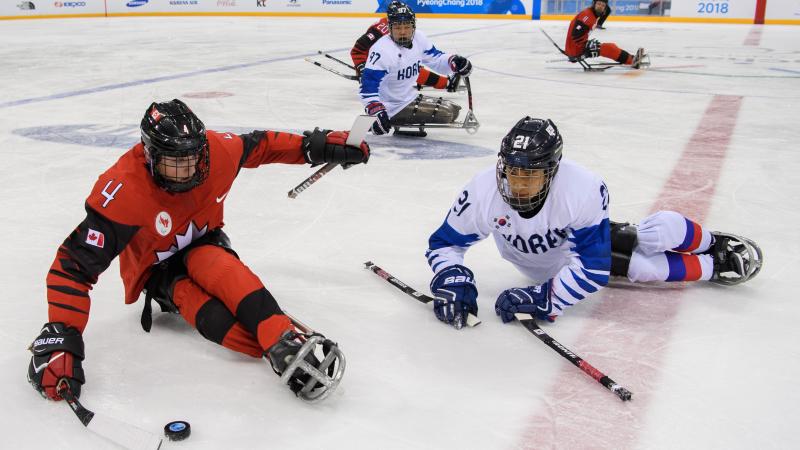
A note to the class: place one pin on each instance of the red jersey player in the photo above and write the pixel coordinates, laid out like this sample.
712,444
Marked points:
360,52
579,45
160,209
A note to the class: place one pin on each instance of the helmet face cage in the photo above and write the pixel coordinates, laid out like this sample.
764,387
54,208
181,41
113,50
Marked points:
528,161
398,13
175,145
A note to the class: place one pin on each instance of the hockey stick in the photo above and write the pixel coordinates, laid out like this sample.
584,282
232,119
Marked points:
472,320
357,133
469,93
343,75
335,59
586,66
121,433
530,324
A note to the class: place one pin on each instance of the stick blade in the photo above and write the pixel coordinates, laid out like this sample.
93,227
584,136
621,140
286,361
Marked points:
358,131
124,434
472,320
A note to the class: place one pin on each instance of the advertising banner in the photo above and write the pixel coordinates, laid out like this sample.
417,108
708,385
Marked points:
27,8
516,7
716,9
238,6
783,10
618,7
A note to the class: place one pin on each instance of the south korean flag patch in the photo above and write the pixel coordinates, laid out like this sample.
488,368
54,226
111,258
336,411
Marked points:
95,238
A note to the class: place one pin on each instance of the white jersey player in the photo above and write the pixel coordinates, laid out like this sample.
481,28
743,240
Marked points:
388,81
549,218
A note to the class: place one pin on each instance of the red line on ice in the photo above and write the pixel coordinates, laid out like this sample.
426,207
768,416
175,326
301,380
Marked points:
631,326
753,38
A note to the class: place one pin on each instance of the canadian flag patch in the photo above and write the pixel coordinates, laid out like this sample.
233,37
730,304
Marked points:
96,238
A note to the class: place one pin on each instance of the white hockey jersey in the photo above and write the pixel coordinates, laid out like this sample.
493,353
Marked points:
390,75
568,241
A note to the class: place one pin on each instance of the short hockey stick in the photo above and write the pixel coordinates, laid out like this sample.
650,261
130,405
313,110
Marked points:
121,433
469,93
530,324
343,75
312,179
599,67
335,59
357,133
472,320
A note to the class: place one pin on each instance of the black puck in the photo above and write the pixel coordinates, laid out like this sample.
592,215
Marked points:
177,430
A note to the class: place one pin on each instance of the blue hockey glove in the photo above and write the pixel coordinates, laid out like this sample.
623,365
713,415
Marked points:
460,65
382,124
534,300
455,295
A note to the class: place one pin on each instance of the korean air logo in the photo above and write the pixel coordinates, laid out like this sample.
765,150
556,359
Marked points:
135,3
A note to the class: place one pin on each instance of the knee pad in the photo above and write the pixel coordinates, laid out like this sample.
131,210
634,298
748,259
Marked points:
623,241
213,320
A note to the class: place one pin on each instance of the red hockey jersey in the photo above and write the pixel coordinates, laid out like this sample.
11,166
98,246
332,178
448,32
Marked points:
128,215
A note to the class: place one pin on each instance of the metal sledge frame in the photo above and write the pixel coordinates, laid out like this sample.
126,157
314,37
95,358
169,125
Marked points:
470,122
587,67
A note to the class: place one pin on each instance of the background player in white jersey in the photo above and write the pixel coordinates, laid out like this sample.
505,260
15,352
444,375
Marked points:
549,217
389,77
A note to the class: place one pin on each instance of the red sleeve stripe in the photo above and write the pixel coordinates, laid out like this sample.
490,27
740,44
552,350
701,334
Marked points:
68,290
67,307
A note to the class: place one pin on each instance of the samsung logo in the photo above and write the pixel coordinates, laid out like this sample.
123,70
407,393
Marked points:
135,3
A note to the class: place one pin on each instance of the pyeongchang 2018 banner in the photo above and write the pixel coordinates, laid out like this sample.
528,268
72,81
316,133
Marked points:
462,6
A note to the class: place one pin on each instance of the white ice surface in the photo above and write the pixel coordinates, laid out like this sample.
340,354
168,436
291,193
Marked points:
723,377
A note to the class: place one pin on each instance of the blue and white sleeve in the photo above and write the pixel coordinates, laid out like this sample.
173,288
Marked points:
590,260
435,59
371,77
448,244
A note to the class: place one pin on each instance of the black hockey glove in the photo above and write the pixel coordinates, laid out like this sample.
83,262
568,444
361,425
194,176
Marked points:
382,124
460,65
453,82
359,69
325,146
455,295
57,356
592,49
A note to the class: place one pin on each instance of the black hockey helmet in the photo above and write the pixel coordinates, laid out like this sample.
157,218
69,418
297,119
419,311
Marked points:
175,141
400,13
594,2
532,150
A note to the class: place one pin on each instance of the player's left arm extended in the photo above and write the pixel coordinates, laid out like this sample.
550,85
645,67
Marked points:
266,147
588,269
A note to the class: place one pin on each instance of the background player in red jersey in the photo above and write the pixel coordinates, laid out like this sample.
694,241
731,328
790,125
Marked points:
579,45
360,52
160,209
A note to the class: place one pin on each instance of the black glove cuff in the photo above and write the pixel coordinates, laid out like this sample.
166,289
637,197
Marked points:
57,336
314,146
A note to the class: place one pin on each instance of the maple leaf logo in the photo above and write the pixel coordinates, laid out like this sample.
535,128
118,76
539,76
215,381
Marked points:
182,241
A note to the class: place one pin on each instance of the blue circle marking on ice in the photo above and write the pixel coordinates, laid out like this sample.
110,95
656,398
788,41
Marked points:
177,426
123,137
